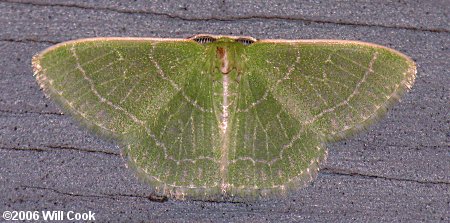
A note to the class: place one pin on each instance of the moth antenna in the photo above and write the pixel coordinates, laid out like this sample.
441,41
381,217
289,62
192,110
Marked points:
204,39
245,41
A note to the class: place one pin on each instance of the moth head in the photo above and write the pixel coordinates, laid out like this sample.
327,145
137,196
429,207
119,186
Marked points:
205,39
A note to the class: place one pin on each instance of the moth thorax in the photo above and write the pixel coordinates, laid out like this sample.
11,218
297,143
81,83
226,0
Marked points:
225,65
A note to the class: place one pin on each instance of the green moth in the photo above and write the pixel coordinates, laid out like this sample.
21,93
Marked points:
218,117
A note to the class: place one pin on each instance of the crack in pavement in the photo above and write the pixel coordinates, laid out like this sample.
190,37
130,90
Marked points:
151,197
220,201
353,173
22,112
232,18
325,170
53,148
28,40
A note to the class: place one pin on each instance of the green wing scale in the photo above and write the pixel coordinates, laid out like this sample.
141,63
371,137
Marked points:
221,117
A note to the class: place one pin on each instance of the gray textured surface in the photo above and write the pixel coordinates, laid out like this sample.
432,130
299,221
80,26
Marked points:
397,170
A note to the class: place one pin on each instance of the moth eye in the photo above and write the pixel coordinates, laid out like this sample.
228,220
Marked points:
204,39
245,41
